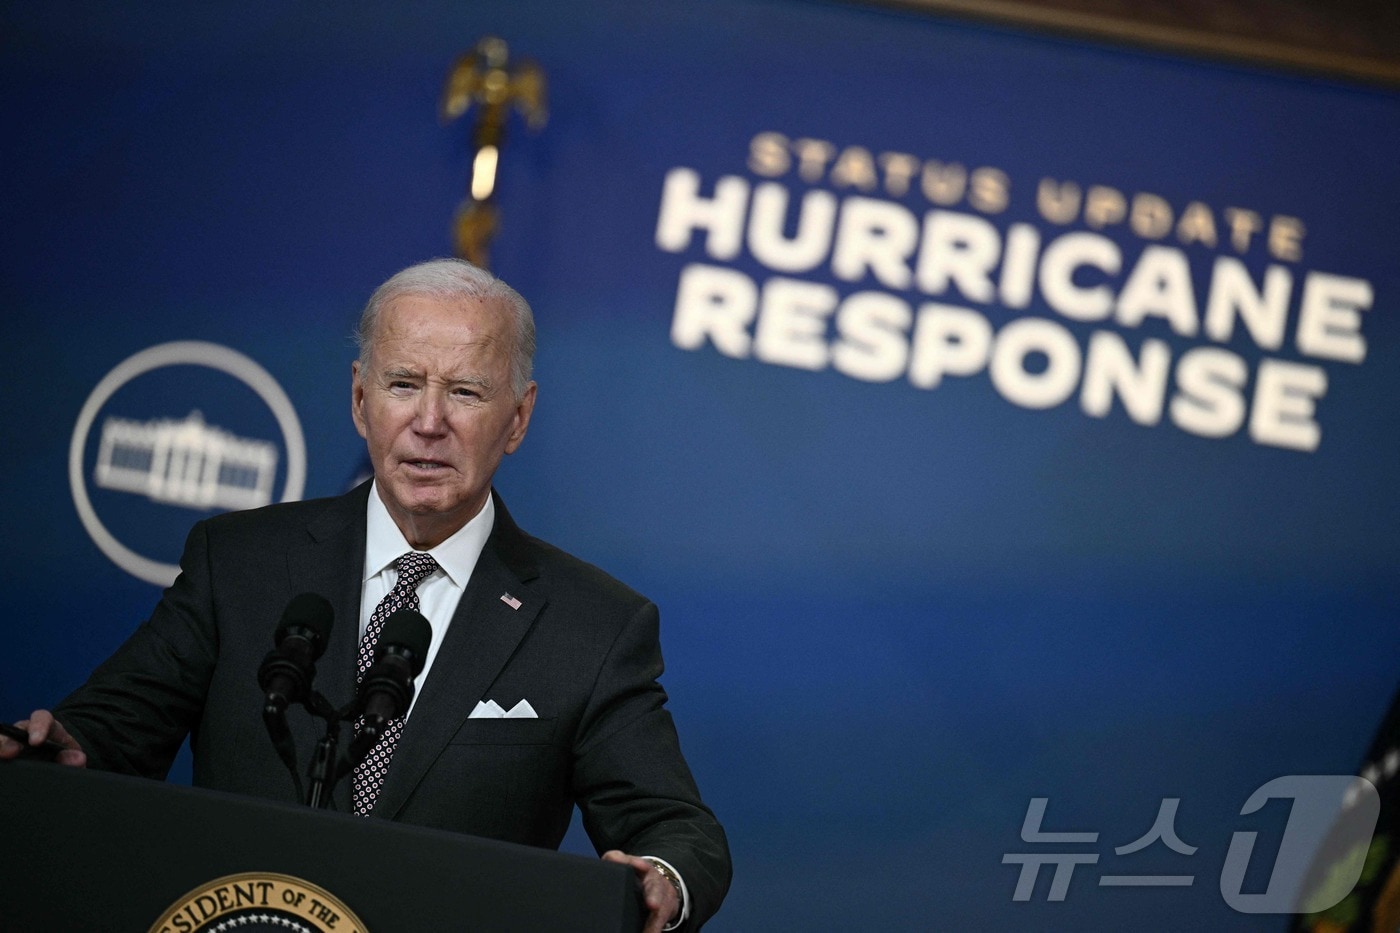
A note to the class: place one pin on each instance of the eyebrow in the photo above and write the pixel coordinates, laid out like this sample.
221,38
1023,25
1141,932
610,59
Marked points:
399,372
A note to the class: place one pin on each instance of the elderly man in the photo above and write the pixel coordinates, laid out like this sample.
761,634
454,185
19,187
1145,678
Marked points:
441,392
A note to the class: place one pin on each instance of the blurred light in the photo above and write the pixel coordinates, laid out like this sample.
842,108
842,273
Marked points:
484,173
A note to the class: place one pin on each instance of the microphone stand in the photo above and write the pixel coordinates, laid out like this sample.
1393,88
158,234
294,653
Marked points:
327,766
275,718
319,772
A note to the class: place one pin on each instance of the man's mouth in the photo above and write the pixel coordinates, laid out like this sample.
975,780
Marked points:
426,464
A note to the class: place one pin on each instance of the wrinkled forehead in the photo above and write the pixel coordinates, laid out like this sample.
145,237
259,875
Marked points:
457,323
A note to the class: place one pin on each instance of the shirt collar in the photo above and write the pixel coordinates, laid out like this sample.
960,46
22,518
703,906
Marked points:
457,556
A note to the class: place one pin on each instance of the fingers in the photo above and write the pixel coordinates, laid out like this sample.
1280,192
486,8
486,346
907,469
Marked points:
660,897
73,755
39,724
72,758
640,865
41,728
14,741
658,893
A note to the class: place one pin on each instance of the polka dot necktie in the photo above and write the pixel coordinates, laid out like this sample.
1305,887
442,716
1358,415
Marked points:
413,567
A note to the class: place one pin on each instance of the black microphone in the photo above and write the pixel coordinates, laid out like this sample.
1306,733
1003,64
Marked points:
387,689
287,671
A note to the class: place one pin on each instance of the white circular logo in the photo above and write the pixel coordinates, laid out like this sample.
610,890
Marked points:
242,469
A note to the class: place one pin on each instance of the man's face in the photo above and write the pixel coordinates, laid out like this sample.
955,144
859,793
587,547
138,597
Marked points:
435,407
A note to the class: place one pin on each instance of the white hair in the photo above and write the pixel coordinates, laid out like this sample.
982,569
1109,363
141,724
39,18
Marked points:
449,279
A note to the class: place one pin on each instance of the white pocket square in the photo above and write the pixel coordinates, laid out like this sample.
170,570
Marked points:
490,709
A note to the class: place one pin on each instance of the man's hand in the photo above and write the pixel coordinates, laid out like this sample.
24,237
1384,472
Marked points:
41,726
663,903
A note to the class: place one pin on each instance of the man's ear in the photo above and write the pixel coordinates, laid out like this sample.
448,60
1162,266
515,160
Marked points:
357,398
523,410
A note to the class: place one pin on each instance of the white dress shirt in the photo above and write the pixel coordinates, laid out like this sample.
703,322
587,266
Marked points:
440,591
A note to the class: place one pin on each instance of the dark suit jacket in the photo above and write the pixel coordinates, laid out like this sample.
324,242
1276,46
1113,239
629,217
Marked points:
582,648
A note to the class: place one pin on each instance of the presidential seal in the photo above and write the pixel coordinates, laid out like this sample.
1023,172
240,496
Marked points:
258,902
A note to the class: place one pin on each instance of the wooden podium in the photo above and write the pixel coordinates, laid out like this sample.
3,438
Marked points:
88,851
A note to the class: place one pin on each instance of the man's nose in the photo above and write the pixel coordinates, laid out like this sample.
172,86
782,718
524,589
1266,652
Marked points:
430,417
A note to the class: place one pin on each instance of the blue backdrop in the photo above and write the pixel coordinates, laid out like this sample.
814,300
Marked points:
1052,458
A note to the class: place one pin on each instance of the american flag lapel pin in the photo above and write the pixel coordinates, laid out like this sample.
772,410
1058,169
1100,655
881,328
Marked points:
510,601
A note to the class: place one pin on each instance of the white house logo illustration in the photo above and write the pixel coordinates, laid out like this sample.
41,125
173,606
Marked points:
182,462
185,463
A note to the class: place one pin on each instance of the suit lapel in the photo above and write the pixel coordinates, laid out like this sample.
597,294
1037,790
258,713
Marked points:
485,632
331,562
